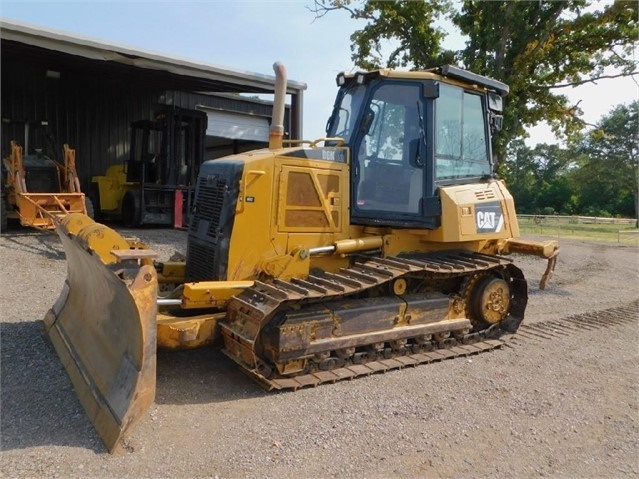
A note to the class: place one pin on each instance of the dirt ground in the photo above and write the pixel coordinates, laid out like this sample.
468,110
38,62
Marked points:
562,406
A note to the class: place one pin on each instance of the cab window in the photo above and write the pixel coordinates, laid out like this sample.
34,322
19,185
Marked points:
390,175
461,145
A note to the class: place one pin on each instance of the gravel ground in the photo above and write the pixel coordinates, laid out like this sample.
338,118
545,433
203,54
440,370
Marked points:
565,407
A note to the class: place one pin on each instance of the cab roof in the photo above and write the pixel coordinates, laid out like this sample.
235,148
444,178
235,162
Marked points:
438,73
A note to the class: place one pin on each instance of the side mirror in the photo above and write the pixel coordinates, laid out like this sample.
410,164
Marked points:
496,123
495,102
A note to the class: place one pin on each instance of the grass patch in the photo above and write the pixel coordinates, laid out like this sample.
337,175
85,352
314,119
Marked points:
567,227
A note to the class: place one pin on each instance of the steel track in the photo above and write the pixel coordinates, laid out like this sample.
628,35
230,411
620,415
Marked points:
575,324
535,332
253,308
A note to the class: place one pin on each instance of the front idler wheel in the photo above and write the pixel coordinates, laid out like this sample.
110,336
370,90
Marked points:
490,300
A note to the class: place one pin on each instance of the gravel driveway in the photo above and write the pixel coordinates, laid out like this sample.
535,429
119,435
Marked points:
561,405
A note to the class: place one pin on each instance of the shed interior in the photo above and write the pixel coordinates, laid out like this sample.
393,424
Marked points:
87,94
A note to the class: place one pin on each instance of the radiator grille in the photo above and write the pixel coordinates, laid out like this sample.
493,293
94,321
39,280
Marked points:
205,242
201,261
209,205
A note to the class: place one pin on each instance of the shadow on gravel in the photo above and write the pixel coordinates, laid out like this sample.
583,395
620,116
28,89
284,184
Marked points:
202,376
48,244
40,408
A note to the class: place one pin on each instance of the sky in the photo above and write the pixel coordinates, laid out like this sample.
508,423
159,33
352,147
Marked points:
251,35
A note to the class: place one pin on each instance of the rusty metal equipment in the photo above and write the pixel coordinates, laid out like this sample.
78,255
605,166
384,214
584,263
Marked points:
37,188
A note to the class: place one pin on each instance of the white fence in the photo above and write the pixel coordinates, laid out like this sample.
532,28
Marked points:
619,230
578,219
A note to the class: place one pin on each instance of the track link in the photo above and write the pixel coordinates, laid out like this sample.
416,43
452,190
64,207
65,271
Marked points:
251,311
574,324
372,367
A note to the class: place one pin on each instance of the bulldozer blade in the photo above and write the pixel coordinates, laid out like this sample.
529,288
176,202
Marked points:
103,328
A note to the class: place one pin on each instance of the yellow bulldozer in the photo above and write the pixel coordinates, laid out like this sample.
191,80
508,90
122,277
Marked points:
383,244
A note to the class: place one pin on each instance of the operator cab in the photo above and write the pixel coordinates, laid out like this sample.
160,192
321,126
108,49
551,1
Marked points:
411,133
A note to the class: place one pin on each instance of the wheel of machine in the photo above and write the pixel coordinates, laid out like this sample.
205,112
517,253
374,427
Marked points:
490,299
131,211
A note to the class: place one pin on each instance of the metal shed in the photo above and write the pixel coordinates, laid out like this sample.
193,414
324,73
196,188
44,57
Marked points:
89,92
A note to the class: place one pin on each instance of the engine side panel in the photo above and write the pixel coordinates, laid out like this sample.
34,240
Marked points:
481,211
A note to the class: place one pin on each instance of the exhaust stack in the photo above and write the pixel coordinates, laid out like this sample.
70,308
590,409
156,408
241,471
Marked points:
276,132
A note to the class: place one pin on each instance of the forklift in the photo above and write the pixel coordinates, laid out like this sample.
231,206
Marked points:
156,184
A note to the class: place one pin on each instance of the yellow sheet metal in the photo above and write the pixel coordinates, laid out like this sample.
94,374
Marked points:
179,333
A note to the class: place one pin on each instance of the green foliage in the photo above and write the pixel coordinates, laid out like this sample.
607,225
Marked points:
539,178
608,176
597,176
408,25
536,47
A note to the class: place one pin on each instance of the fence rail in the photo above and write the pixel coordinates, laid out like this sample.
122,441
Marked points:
578,219
619,230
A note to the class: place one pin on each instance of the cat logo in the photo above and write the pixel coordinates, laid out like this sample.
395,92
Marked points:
486,220
489,217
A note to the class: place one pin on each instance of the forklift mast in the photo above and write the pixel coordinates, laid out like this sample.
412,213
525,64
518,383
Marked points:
168,149
163,164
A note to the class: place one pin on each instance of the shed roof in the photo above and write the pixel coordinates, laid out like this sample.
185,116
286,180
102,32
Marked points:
22,38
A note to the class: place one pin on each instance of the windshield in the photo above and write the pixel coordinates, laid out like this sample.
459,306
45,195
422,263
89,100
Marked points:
346,111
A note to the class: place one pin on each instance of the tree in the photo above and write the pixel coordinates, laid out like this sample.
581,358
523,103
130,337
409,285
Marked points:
608,173
410,24
539,178
520,172
536,47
